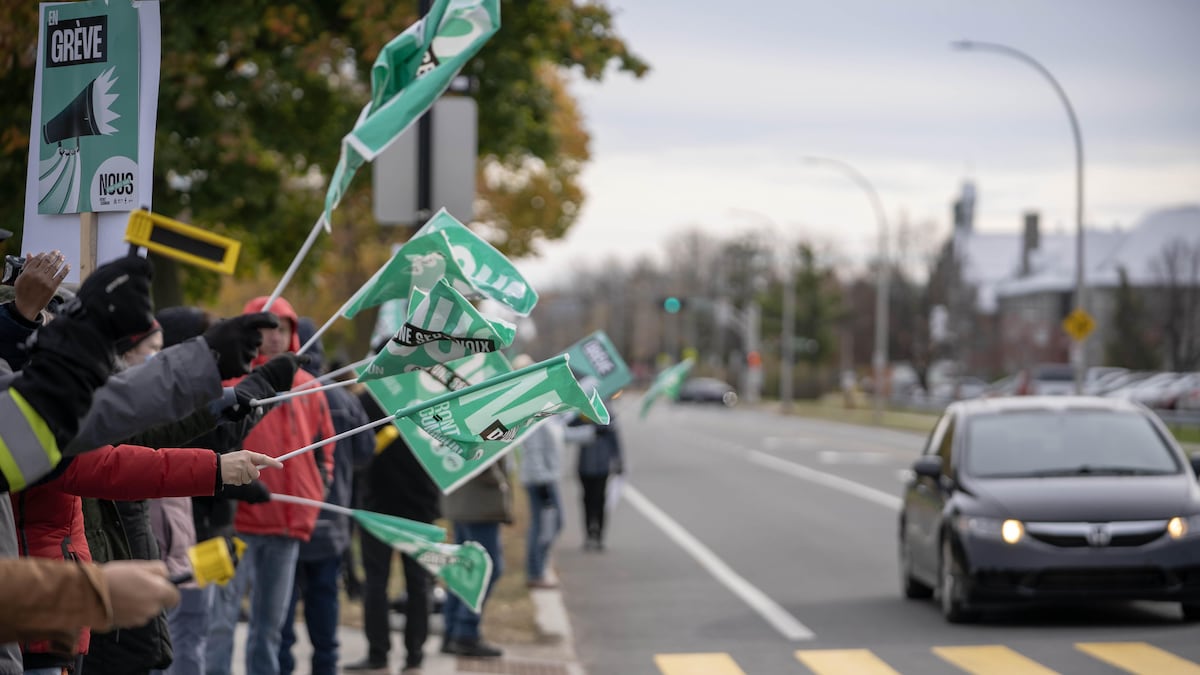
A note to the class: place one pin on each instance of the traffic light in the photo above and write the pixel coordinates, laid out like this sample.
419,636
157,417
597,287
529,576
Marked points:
672,304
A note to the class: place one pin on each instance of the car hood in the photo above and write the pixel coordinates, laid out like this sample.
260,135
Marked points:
1089,498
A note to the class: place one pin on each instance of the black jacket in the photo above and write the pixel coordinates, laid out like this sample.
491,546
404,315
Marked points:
396,484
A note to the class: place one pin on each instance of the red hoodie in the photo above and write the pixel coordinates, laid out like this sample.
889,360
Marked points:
292,424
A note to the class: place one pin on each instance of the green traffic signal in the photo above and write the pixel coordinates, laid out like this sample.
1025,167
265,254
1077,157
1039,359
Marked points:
672,305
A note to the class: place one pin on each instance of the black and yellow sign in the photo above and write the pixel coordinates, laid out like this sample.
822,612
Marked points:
1079,324
185,243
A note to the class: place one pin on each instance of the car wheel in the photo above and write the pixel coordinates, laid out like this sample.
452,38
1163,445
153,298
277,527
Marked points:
913,588
1191,611
954,610
729,399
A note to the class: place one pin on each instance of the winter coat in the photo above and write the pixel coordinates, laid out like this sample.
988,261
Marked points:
171,523
49,516
542,452
291,425
395,482
602,455
331,534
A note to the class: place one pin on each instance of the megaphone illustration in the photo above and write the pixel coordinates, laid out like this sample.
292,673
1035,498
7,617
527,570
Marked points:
90,114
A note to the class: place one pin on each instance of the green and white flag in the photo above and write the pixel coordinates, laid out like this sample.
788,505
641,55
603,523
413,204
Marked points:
447,251
667,382
462,431
409,74
595,355
442,326
481,270
465,568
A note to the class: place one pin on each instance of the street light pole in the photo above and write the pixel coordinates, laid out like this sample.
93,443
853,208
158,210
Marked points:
1078,353
879,358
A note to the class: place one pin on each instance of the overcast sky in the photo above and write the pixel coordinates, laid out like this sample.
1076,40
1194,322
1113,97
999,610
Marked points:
740,91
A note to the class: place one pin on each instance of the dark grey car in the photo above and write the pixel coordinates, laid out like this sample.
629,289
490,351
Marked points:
1050,499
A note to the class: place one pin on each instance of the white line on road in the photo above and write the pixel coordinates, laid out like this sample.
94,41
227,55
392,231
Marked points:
827,479
777,616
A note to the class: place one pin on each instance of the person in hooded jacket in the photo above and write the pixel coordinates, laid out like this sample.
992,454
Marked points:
321,556
273,531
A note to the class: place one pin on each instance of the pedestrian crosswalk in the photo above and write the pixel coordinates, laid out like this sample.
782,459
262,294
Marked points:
1138,658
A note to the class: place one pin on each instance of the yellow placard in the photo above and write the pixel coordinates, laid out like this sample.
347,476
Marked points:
1079,324
183,242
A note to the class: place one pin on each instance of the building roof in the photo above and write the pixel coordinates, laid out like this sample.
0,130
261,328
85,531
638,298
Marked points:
993,260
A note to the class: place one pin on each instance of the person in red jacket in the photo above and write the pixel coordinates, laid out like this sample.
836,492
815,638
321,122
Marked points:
273,531
49,516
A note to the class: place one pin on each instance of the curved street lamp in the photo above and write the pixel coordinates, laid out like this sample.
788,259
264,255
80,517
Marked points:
880,356
1078,352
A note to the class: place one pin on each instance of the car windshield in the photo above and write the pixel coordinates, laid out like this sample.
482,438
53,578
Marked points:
1065,443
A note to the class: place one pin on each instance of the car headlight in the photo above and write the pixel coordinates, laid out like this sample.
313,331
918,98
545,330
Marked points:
1183,526
1007,530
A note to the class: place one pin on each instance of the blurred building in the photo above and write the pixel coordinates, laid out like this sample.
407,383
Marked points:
1006,294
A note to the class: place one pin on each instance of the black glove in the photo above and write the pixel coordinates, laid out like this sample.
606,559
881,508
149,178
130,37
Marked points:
253,386
115,299
235,341
254,492
280,371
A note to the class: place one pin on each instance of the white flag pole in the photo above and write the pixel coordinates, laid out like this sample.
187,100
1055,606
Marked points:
336,438
321,331
334,374
302,391
292,499
291,270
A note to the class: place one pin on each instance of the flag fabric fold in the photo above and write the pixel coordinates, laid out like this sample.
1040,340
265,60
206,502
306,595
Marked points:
411,71
446,249
441,326
465,568
481,412
666,382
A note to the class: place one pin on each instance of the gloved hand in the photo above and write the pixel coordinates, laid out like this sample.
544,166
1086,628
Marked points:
254,492
253,386
115,299
280,371
235,341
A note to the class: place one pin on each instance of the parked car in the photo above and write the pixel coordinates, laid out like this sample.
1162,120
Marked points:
1046,379
1050,499
708,390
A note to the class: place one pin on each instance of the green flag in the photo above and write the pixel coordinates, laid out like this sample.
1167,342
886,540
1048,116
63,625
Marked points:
481,270
442,326
409,74
667,382
595,355
465,261
461,432
465,568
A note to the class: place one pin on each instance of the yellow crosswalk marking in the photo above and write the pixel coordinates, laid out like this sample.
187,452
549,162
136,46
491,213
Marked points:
991,660
697,664
843,662
1139,658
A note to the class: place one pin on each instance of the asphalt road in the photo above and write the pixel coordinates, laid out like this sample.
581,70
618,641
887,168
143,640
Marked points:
752,543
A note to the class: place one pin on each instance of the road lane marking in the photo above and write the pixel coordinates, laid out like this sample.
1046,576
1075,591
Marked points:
843,662
852,457
697,664
991,660
777,616
1139,658
827,479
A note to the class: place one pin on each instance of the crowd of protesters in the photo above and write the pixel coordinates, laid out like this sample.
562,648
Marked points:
128,437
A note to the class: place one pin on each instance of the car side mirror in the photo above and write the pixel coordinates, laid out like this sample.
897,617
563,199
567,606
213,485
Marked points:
929,466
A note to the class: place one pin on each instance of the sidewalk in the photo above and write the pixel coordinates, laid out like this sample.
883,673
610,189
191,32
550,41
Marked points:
555,655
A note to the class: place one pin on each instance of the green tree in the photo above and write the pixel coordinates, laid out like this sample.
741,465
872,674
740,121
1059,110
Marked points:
1128,347
255,97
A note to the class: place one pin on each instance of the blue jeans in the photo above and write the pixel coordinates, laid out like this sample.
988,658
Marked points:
269,567
188,624
461,622
317,583
545,522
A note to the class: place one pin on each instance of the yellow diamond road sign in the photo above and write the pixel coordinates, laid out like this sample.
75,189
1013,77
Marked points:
1079,324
